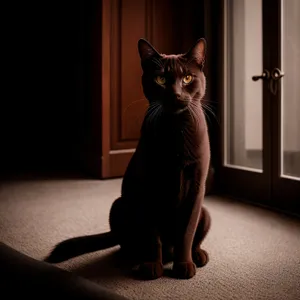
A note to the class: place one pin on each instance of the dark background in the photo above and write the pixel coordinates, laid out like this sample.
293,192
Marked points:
42,105
48,61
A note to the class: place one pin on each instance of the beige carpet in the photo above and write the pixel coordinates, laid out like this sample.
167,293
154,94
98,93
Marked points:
255,254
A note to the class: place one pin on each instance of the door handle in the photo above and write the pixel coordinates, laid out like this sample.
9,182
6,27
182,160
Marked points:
277,74
264,75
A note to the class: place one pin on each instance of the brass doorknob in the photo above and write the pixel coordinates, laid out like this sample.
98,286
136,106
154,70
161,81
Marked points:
264,75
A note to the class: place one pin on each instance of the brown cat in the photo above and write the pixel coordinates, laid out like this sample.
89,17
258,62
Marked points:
159,216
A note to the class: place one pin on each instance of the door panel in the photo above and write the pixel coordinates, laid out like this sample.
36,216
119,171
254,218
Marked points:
127,100
245,168
243,116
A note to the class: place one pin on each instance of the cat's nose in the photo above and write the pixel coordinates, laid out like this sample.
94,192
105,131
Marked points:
176,91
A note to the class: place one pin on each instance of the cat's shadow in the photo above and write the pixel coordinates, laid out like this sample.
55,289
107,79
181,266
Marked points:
112,265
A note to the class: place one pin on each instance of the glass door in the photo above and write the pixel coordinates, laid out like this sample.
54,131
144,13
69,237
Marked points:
261,105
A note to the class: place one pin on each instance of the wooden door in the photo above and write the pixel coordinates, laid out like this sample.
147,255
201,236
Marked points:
171,29
255,111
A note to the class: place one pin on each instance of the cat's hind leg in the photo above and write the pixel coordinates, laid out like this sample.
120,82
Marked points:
200,256
140,243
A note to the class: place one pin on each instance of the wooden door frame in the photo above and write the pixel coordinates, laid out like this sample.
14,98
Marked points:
105,88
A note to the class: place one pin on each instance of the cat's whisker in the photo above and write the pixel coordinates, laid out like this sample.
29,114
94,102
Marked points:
152,116
152,112
209,109
152,107
206,108
195,105
207,117
138,119
158,115
198,107
152,124
205,101
192,114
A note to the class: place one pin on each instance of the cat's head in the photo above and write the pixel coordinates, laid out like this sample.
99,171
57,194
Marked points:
174,81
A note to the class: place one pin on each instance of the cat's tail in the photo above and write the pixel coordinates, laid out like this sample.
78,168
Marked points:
81,245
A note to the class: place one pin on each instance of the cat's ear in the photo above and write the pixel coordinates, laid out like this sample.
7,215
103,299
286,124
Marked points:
197,52
146,50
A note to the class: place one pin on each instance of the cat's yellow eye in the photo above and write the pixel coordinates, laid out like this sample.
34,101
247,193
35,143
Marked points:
187,79
160,80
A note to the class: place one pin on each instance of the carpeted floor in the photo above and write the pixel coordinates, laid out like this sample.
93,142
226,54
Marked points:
254,253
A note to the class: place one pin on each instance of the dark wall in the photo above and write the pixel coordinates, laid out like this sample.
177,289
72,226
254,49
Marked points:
45,96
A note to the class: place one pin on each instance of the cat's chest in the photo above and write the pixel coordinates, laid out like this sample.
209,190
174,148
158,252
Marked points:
168,143
165,161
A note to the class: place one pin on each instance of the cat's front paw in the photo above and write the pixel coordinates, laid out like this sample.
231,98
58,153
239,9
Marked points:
200,257
184,270
150,270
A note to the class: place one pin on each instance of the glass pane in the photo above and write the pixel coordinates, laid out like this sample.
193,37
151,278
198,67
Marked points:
243,106
290,97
